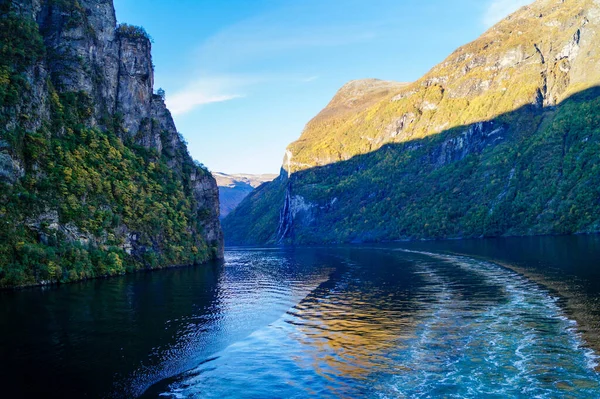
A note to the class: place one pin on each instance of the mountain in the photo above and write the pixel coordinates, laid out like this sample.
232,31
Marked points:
94,178
234,188
502,138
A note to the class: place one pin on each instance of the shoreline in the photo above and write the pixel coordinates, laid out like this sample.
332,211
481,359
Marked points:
57,284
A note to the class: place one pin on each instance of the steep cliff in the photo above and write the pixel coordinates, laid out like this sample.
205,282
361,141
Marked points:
95,179
502,138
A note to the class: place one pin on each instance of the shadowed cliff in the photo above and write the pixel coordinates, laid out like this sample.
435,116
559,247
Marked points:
528,172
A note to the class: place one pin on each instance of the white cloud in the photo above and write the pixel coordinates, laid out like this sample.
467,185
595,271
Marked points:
500,9
206,90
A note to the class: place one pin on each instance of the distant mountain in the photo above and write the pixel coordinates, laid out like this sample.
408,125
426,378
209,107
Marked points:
234,188
501,138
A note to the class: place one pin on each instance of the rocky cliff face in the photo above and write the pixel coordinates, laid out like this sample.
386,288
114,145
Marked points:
492,141
74,84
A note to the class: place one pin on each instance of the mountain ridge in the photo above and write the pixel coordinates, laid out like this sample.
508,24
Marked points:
515,52
484,107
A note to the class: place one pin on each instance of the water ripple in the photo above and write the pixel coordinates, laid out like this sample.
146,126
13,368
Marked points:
405,324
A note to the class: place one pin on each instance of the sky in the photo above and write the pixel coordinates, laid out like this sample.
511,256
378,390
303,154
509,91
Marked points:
243,77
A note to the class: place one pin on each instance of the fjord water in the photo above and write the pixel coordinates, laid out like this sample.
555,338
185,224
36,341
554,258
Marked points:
409,320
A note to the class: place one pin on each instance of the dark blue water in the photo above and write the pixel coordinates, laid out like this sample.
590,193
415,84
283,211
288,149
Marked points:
420,320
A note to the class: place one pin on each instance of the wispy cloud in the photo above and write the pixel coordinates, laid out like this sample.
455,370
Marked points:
269,45
206,90
310,79
499,9
249,41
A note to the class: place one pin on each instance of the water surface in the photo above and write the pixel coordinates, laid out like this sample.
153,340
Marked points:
386,321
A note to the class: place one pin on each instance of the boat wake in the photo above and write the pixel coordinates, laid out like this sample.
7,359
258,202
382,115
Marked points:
519,345
407,324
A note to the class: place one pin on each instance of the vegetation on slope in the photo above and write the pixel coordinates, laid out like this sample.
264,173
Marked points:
83,182
21,47
542,183
539,55
133,32
234,188
500,139
255,220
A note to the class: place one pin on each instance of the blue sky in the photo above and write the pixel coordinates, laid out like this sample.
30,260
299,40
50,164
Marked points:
243,77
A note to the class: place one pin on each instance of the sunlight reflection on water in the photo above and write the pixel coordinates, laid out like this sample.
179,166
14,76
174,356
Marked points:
407,324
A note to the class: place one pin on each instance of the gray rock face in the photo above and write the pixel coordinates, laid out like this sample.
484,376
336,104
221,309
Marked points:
472,141
162,133
36,76
27,8
206,192
136,82
296,209
83,53
10,168
88,54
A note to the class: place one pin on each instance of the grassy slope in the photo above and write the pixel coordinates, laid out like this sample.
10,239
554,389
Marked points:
234,188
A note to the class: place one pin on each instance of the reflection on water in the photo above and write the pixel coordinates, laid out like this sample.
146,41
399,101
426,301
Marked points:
406,320
116,337
253,290
405,324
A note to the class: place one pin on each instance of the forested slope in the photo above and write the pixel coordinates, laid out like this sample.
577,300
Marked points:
94,178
